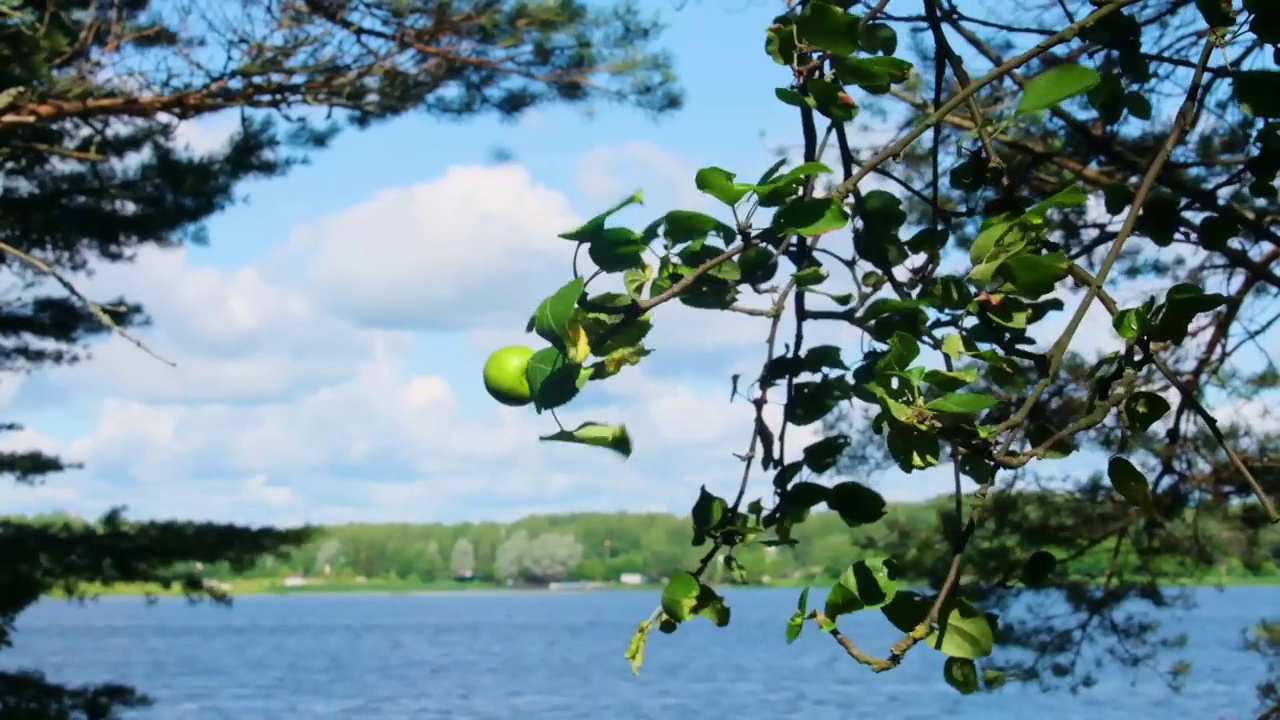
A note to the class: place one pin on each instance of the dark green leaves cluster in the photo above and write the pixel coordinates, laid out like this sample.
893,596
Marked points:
1168,321
949,366
685,597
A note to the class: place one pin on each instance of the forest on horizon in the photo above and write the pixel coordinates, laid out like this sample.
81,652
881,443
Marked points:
601,546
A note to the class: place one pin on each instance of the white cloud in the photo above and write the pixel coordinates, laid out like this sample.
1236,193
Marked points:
206,134
476,246
301,394
608,174
234,337
402,446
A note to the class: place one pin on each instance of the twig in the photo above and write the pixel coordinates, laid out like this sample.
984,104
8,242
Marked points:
1066,35
1188,396
96,309
1059,350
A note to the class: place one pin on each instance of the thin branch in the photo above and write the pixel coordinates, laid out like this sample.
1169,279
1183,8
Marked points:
96,309
1188,397
1059,350
845,188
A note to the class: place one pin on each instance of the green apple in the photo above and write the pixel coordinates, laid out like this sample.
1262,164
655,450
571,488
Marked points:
504,375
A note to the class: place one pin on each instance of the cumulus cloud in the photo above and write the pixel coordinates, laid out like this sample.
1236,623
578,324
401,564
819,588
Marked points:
337,379
476,246
607,174
234,337
399,444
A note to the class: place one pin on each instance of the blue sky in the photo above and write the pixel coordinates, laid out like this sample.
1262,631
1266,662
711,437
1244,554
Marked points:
329,339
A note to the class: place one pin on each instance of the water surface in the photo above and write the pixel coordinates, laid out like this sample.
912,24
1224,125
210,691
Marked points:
558,656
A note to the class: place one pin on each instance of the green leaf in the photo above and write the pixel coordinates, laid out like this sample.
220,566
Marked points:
912,448
551,320
1116,197
823,357
1138,105
635,648
711,606
962,403
634,280
685,226
621,358
1265,24
772,172
872,581
812,401
1171,320
903,350
1107,97
757,265
822,455
707,513
1036,275
1038,567
810,217
1038,434
830,99
996,232
805,495
710,293
1214,14
699,253
802,603
1130,323
1143,409
1068,197
810,276
617,249
780,41
1216,231
961,674
680,596
873,74
879,38
962,631
953,345
829,28
841,299
1260,90
798,173
592,228
737,571
719,184
1129,482
855,503
841,601
553,380
1159,218
612,437
1055,85
793,98
786,474
951,380
794,626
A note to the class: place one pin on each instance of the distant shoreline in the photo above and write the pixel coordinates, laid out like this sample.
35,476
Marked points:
381,587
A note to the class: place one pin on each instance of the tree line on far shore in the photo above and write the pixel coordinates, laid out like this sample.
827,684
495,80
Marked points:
605,546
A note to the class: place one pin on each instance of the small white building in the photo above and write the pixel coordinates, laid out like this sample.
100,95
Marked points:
632,579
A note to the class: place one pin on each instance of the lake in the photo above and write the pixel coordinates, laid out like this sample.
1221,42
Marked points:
558,656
